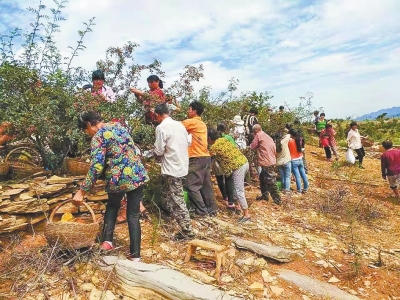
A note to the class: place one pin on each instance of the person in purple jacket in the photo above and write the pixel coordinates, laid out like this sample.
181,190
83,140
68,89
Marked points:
390,165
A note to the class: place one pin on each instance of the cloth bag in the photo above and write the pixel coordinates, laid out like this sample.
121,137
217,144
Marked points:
350,158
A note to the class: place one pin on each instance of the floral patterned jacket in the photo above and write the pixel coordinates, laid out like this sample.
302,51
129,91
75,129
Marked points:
115,155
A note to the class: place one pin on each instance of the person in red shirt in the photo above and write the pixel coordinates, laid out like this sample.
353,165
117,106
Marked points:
390,166
266,159
151,99
296,146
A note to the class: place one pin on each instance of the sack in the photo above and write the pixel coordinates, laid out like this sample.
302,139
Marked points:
350,158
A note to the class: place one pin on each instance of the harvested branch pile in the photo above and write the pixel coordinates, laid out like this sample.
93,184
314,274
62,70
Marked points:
24,204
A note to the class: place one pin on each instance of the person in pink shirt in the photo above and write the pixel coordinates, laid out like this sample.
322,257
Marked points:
266,158
328,142
390,166
98,87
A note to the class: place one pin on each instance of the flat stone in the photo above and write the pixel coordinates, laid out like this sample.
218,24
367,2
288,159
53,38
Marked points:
227,279
276,290
266,276
87,287
333,279
256,287
315,286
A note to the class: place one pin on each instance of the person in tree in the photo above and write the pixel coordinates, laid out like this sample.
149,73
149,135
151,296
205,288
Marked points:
390,166
98,87
171,145
198,180
266,158
234,164
354,142
173,104
151,99
114,154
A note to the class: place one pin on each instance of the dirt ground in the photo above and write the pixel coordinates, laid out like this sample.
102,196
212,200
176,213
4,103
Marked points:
346,230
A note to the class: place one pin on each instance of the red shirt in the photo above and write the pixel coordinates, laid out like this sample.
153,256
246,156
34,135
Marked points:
390,162
156,97
294,153
266,149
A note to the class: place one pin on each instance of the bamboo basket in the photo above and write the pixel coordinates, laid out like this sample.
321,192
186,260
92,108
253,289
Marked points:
71,235
4,168
24,161
76,167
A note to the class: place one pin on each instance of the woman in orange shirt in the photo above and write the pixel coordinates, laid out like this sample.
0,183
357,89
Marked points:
296,145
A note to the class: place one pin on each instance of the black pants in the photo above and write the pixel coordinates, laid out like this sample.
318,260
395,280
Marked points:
132,213
328,152
199,186
268,184
225,184
360,154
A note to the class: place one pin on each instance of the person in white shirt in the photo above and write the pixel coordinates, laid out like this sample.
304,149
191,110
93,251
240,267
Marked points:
238,132
354,142
283,159
171,144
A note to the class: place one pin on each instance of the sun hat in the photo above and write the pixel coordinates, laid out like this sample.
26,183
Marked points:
237,120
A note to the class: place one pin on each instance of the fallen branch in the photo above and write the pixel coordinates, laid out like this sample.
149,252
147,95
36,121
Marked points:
269,251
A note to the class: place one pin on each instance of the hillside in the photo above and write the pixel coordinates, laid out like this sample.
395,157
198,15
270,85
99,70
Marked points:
345,230
391,112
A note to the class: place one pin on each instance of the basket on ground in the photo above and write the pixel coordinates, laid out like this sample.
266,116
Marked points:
71,235
4,168
24,161
76,166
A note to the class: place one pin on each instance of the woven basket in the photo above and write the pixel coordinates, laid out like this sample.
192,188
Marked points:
4,168
24,161
76,167
367,143
71,235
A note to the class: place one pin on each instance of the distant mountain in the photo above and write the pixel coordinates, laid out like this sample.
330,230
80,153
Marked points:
391,112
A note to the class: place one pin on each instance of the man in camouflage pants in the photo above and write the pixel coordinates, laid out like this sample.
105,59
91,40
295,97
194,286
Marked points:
171,145
266,158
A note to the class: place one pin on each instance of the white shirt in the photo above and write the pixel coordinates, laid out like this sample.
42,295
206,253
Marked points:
238,133
284,157
354,139
172,144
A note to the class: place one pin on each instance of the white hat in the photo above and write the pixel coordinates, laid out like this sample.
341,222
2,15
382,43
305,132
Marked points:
237,120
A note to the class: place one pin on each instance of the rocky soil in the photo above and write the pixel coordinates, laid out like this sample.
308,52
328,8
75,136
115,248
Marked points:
345,233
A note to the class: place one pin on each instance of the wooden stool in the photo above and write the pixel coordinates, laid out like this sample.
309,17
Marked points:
219,253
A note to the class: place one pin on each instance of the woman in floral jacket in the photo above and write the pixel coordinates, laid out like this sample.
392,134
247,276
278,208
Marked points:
114,155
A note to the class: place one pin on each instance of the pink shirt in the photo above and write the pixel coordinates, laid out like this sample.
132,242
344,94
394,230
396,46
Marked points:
266,149
107,92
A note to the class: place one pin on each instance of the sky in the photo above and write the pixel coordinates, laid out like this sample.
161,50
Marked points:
345,52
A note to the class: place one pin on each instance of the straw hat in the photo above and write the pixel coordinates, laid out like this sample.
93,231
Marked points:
237,120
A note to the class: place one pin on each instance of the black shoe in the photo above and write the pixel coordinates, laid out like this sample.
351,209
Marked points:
278,202
260,198
212,214
183,236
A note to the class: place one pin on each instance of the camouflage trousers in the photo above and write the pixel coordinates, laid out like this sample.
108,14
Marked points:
172,195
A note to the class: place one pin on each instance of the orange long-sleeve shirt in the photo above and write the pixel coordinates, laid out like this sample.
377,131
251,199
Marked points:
198,129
